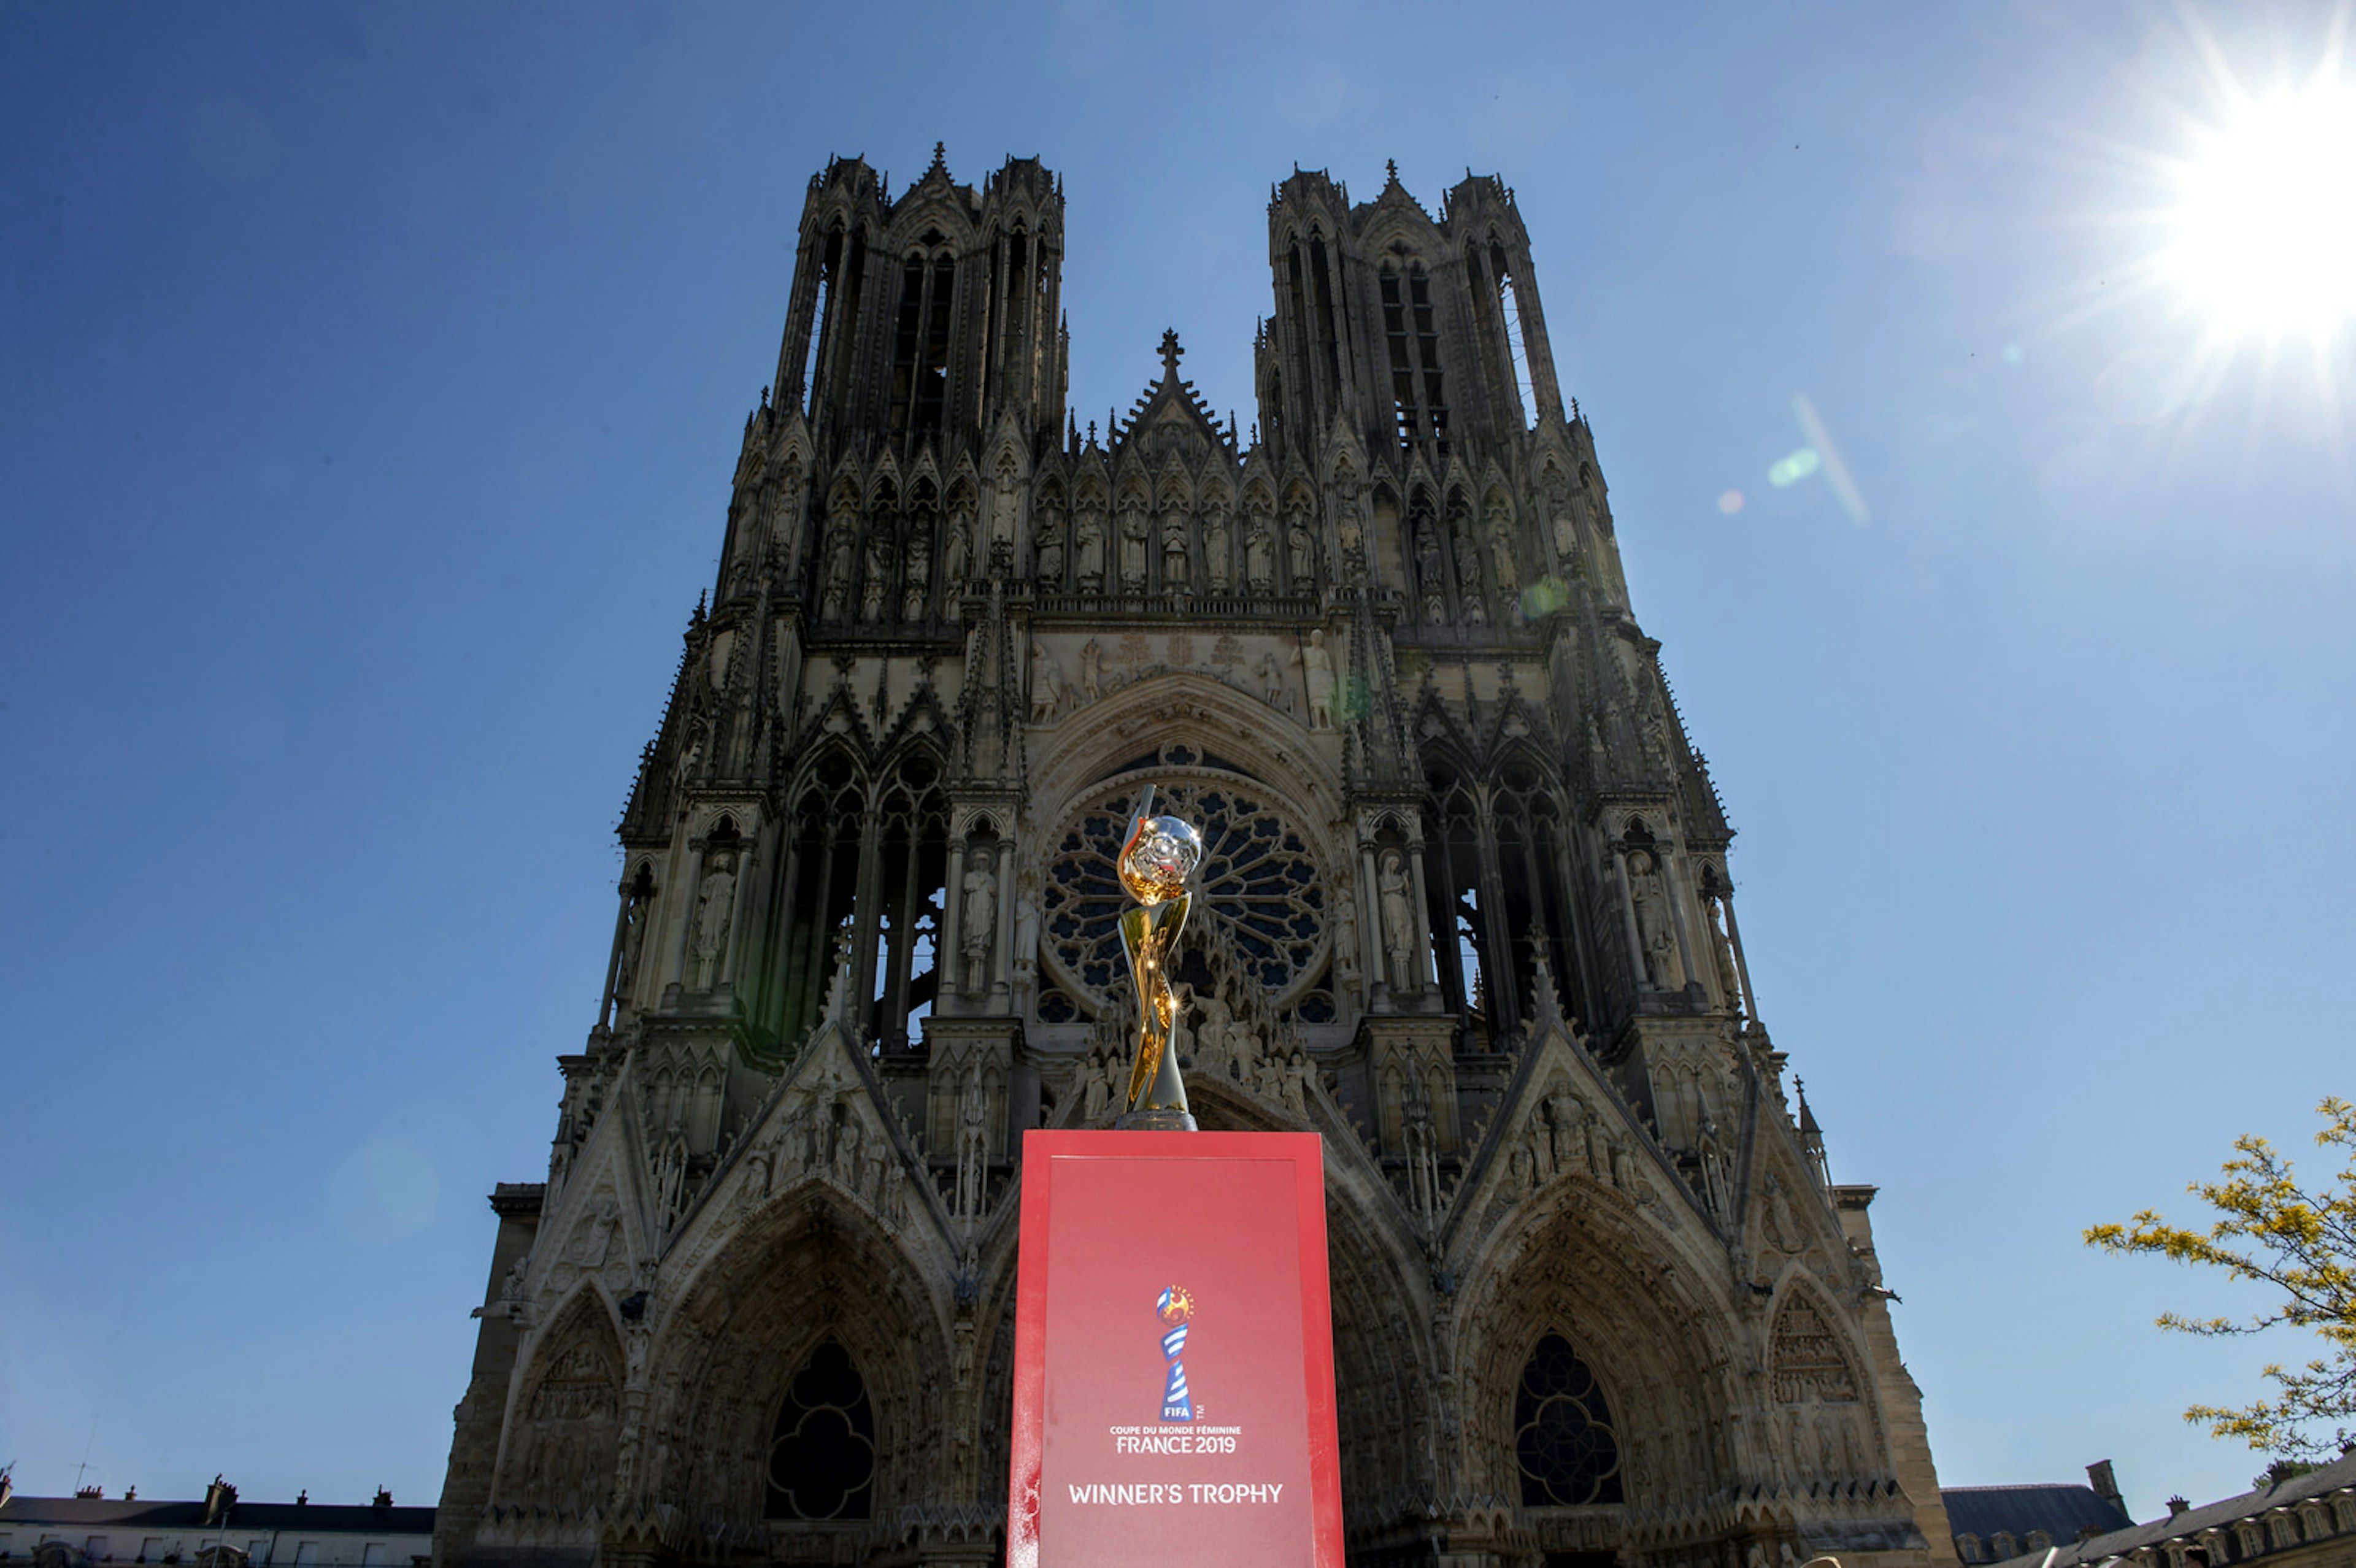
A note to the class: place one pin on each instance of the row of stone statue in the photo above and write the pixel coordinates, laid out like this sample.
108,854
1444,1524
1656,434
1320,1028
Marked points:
881,566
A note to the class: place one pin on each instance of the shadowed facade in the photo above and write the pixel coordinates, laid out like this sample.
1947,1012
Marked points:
1464,911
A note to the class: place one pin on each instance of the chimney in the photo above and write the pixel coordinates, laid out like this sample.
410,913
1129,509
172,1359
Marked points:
2107,1485
2177,1505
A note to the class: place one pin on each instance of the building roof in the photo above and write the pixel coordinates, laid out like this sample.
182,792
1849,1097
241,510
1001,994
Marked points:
2061,1510
343,1519
2337,1476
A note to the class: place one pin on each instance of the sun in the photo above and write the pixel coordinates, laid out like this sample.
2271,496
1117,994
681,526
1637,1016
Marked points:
2265,229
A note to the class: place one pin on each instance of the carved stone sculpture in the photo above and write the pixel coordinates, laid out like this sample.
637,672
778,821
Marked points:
980,916
1089,539
1399,921
1260,555
1317,674
1133,529
1047,682
715,905
1218,547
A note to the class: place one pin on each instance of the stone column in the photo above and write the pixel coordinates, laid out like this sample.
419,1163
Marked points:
748,861
948,960
1741,969
1425,980
614,960
1002,964
676,965
1373,944
1504,1000
1677,916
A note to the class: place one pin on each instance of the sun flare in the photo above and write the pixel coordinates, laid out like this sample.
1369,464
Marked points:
2266,230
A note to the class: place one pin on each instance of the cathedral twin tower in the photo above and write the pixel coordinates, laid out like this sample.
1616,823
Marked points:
1464,912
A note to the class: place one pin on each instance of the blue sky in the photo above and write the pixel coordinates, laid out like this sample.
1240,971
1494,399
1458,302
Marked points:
371,380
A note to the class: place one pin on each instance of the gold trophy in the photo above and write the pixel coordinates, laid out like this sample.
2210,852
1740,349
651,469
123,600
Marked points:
1159,855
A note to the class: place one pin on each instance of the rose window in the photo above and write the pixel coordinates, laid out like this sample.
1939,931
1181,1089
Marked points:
1258,884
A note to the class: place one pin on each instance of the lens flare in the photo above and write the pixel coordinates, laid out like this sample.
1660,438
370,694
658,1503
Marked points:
1730,502
1786,472
2265,232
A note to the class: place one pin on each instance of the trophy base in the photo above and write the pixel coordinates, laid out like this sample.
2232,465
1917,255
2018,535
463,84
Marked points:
1164,1120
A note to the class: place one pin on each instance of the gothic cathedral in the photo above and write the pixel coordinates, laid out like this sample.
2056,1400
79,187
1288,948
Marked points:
1464,911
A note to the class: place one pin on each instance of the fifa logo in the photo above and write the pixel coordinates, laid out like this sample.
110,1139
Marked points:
1176,1309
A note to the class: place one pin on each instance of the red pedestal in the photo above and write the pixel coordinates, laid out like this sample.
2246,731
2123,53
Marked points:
1126,1239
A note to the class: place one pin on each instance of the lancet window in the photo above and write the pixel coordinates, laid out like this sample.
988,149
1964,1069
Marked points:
865,883
1500,307
822,1452
1316,348
1419,393
1564,1441
920,343
1494,883
833,315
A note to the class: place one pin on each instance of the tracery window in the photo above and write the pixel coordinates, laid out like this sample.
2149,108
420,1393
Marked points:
822,1453
1564,1440
1495,883
864,871
1258,880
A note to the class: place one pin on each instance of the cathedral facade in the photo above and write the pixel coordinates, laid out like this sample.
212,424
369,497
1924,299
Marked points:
1464,912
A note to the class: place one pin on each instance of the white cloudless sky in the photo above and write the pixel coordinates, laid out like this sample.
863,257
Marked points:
371,382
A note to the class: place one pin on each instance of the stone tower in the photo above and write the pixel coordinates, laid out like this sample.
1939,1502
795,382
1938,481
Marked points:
1465,912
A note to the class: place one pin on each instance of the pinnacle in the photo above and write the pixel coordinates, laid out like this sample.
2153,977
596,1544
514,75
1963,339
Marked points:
941,160
1170,353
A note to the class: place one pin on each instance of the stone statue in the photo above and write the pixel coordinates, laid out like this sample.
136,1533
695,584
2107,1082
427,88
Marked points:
715,905
1095,1094
1655,924
1211,1035
1050,547
1005,507
1428,572
917,577
1173,554
1027,924
1133,546
878,575
1047,682
972,1150
845,1166
1090,542
1260,555
1399,921
1317,674
835,601
1300,553
955,557
1218,549
1502,570
1271,681
1091,669
980,913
